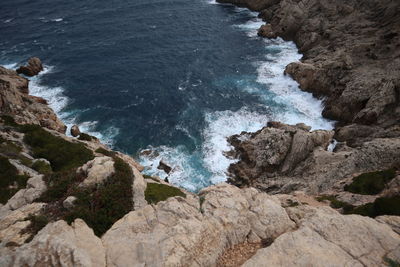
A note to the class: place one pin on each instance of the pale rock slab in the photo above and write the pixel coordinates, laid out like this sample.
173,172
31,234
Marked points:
58,244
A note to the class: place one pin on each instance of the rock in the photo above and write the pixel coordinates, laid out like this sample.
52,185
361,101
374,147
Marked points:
75,131
58,244
175,232
34,189
68,203
164,167
266,31
14,222
326,236
138,187
97,170
24,108
392,221
276,148
33,68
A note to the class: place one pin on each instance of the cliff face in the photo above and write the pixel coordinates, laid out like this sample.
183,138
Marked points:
74,202
351,60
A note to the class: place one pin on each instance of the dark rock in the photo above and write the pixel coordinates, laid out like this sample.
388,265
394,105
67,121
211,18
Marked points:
164,167
33,67
75,131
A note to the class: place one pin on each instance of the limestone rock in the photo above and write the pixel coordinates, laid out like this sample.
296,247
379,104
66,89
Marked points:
14,222
138,188
75,131
97,170
266,31
33,68
277,148
58,244
324,237
34,189
68,203
180,232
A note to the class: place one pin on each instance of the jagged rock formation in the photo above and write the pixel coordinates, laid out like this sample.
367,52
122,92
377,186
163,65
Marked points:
15,101
33,68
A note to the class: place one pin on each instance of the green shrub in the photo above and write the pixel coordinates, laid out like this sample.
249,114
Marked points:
8,120
103,205
86,137
105,152
61,154
10,180
59,185
41,167
370,183
335,203
381,206
160,192
38,222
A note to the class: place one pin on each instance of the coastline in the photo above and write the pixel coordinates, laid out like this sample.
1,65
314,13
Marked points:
48,222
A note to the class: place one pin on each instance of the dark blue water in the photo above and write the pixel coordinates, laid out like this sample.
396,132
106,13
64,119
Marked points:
176,76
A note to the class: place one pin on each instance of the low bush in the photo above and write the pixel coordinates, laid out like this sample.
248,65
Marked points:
41,167
370,183
86,137
61,154
10,180
38,222
159,192
335,203
103,205
106,152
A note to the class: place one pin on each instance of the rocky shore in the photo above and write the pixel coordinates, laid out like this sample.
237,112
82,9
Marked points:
296,198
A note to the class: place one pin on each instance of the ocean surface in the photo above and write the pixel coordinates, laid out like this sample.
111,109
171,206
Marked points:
175,77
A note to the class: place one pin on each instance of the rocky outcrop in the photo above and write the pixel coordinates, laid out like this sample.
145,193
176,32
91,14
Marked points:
33,67
194,231
97,170
26,109
324,236
58,244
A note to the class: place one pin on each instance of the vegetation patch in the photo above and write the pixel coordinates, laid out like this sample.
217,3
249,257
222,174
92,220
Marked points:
103,205
61,154
86,137
370,183
159,192
105,152
10,180
381,206
335,203
38,222
8,120
42,167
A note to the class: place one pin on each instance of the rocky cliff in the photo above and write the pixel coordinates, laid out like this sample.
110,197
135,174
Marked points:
351,60
72,201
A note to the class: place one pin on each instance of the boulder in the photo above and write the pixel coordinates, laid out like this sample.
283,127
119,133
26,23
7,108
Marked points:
58,244
97,170
75,131
163,166
266,31
68,203
325,236
33,67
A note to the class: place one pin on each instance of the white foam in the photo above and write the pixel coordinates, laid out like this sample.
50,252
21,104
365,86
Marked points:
251,27
220,126
58,102
57,20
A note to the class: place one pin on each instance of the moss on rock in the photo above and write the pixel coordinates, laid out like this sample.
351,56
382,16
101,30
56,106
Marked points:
159,192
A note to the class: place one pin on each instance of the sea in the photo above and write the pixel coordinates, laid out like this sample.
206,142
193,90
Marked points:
160,80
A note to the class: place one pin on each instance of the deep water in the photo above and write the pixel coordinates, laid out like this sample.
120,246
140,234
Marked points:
174,76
